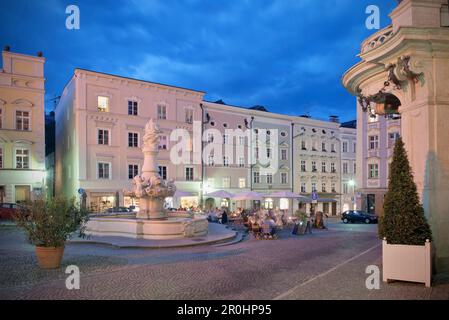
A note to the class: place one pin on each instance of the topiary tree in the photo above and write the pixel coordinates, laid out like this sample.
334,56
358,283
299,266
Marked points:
403,221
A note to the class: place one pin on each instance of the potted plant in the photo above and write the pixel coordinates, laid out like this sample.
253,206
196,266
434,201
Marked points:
406,235
48,223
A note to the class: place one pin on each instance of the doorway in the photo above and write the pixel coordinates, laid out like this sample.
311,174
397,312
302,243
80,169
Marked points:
371,203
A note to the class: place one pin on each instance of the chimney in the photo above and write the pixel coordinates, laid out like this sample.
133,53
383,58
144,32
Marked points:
7,48
334,119
39,53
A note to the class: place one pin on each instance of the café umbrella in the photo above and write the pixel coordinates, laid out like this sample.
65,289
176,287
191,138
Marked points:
220,194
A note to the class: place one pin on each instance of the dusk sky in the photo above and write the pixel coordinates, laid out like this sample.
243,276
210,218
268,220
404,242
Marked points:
287,55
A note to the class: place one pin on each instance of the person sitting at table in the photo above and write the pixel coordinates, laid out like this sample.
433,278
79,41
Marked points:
224,217
272,225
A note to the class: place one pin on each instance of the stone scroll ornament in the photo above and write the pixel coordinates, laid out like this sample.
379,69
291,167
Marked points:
399,74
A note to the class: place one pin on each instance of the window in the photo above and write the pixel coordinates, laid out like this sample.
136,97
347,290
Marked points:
303,165
333,148
303,145
226,183
256,153
104,170
210,137
334,190
283,134
284,154
345,187
133,170
210,182
355,167
133,139
1,119
313,186
323,187
225,161
161,112
163,142
256,177
303,187
333,167
373,142
314,166
189,116
269,178
103,137
345,167
392,137
103,104
323,166
189,174
242,183
241,162
323,146
22,159
1,157
132,108
163,172
345,146
373,171
269,153
22,120
284,179
242,141
225,138
354,147
210,160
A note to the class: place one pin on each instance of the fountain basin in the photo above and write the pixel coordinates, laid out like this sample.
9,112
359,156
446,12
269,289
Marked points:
131,227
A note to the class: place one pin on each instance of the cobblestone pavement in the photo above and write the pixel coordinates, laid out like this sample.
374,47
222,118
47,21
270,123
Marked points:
325,265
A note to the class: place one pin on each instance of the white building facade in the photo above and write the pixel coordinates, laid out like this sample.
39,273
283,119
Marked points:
22,130
348,137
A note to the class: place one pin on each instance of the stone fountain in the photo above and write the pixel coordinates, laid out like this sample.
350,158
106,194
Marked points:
152,221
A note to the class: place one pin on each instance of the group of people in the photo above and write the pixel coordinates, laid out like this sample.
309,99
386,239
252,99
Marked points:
218,215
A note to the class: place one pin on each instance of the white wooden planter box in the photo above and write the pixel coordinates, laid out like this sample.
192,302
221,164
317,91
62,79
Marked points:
407,263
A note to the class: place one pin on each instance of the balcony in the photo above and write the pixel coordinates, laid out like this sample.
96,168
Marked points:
377,39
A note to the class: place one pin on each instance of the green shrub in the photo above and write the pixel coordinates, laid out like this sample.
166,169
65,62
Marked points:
50,222
403,221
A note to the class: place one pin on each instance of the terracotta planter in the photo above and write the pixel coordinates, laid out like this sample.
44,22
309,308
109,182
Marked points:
49,257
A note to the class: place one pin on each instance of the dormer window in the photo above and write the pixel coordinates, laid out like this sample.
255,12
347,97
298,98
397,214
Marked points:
103,104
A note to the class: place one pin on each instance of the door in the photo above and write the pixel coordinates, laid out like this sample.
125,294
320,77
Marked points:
334,208
371,203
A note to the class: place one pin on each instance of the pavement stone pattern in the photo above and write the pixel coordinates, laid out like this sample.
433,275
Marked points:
294,267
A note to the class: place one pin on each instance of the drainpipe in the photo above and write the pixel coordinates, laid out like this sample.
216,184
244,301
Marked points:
250,126
202,162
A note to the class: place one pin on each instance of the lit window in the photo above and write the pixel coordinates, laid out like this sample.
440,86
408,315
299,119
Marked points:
373,170
161,112
133,139
242,183
22,120
132,108
226,183
22,159
104,170
103,104
133,170
103,137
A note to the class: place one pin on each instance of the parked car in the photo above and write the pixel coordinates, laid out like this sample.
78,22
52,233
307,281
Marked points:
7,210
119,209
352,216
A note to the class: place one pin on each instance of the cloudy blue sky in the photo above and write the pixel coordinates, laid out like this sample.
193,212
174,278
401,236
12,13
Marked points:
287,55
